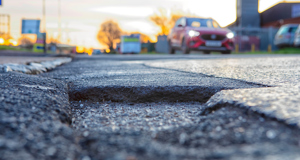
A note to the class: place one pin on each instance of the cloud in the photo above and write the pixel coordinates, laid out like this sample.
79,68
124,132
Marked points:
127,11
73,26
142,26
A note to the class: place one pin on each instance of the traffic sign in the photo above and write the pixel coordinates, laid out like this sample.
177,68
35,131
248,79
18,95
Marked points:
30,26
40,38
38,48
0,2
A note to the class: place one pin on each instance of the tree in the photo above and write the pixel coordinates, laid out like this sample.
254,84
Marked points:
25,41
165,21
53,40
161,19
108,33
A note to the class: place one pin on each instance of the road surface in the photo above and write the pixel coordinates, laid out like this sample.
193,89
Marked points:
154,107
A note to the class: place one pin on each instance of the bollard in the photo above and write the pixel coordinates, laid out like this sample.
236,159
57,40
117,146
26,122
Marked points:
236,48
269,48
253,48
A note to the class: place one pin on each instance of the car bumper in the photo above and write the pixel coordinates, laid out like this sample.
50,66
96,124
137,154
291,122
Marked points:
213,49
197,43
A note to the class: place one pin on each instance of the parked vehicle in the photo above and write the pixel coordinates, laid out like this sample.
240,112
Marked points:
130,44
286,35
297,37
97,51
200,34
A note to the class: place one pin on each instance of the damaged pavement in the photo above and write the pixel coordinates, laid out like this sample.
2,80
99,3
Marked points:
161,107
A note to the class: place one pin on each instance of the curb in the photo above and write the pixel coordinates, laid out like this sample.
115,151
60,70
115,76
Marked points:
34,68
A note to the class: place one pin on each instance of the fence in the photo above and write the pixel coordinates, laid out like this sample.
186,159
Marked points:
247,39
148,47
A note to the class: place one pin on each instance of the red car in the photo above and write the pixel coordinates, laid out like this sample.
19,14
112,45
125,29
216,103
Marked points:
201,35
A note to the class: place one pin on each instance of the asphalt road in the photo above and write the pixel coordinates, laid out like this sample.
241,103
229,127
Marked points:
155,107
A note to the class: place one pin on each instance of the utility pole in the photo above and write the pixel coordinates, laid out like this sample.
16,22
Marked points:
8,24
5,25
44,21
59,20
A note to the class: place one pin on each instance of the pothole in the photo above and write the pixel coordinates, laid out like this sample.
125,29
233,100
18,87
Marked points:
162,130
145,94
138,114
124,122
142,94
130,117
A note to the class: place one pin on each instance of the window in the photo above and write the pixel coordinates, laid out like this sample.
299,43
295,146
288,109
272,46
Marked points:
292,29
215,24
282,30
198,22
287,29
183,22
208,24
178,22
298,30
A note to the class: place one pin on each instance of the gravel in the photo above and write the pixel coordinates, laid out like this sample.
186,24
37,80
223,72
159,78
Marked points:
116,117
175,131
35,119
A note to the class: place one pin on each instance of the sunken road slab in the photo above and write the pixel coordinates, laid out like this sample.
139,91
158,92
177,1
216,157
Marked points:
127,110
282,74
134,82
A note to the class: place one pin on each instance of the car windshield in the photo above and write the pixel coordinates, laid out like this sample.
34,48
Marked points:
287,29
293,29
197,22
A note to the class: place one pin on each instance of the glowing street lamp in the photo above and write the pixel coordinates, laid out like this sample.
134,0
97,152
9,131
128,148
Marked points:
2,41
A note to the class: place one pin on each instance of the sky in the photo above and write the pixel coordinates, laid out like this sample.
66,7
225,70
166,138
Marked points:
81,19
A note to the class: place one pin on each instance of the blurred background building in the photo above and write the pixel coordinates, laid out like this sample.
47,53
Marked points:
247,14
281,13
256,30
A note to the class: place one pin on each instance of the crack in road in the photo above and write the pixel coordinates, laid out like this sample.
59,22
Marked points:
130,111
130,120
164,123
195,90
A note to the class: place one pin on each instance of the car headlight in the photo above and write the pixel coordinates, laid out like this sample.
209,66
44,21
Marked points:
230,35
193,33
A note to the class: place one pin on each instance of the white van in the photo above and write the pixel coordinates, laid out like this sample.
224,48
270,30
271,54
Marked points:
286,35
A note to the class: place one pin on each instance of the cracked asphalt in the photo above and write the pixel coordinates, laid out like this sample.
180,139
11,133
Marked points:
154,107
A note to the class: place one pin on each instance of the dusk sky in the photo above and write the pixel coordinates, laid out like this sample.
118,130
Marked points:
81,19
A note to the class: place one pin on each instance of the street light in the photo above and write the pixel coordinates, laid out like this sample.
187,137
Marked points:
44,21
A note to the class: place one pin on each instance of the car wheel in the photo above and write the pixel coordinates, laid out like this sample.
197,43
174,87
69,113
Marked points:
185,49
171,49
226,52
206,52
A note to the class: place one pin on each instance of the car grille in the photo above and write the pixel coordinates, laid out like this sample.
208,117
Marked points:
210,37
